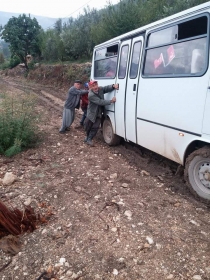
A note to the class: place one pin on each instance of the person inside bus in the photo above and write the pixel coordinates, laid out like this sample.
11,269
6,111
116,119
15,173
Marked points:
111,68
95,108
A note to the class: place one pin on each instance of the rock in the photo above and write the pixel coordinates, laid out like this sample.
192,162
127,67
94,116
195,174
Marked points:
196,277
194,223
128,214
62,261
145,173
114,229
125,185
177,204
208,269
158,246
160,178
69,273
113,176
170,276
149,240
10,244
115,272
74,276
9,179
27,202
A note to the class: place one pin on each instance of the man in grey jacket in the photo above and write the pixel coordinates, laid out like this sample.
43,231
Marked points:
72,101
95,108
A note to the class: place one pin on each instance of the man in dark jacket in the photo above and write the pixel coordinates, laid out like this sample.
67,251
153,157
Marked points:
72,101
95,107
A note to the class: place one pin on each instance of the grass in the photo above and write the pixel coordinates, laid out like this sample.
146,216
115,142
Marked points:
18,123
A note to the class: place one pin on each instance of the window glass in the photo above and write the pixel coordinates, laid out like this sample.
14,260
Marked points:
106,67
100,54
162,37
106,52
135,60
182,58
123,62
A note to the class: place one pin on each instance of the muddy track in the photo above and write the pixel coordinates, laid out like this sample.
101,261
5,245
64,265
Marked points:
162,169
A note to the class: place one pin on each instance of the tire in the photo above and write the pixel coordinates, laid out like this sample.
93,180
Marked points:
197,173
109,137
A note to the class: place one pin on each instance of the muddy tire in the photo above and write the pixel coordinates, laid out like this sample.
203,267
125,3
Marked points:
109,137
197,173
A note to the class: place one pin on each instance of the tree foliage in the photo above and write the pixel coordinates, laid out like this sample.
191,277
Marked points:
22,34
2,60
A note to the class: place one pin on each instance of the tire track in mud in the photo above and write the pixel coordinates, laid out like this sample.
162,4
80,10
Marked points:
50,100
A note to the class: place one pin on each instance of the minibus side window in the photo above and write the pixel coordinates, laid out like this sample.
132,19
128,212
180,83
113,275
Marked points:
135,60
105,64
184,54
123,62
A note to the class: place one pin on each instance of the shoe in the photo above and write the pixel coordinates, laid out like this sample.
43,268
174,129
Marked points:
68,129
62,132
90,142
85,140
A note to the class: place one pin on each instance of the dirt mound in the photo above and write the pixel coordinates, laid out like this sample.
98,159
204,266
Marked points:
62,75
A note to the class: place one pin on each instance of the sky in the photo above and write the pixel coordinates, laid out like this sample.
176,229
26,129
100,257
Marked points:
52,8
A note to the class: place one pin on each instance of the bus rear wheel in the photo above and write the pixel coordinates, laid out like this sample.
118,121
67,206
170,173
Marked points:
109,137
197,173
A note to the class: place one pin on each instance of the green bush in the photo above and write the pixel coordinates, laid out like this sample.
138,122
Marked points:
18,124
14,61
5,65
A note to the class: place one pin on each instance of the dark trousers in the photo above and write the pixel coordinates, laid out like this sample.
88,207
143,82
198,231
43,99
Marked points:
91,128
83,116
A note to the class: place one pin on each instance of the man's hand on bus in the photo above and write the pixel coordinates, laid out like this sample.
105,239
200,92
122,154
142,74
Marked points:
116,86
113,99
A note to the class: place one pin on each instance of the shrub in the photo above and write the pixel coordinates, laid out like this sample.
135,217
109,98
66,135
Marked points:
5,65
18,124
14,61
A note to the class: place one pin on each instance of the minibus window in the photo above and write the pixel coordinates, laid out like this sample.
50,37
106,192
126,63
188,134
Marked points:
135,60
106,62
123,62
164,36
192,28
182,58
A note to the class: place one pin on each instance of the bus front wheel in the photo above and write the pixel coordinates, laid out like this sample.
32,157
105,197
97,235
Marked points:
109,137
197,172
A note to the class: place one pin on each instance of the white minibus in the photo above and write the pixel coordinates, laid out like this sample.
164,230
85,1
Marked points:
163,101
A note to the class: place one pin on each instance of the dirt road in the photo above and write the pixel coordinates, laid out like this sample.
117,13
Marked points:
118,212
